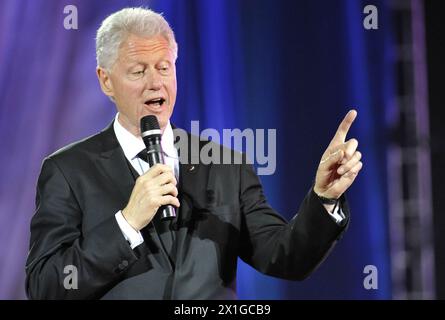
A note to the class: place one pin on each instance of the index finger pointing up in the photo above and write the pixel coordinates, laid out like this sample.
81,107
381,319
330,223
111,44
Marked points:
343,128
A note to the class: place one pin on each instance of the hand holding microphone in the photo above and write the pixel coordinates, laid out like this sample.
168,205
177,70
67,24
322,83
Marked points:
156,189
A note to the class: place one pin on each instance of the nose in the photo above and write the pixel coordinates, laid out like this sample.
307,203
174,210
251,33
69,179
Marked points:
154,81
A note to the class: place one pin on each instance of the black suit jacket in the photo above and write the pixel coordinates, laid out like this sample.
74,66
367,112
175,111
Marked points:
223,215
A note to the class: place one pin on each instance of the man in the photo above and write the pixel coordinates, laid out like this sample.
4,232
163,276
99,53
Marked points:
97,199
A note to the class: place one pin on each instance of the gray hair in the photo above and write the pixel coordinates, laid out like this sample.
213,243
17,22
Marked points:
119,25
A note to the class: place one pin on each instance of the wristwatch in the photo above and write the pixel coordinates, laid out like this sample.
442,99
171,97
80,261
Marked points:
327,200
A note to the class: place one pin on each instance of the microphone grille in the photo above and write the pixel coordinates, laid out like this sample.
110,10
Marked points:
149,122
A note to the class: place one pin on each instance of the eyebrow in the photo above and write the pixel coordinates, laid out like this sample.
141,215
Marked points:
133,64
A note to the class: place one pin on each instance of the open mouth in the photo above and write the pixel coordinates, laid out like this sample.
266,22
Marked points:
156,102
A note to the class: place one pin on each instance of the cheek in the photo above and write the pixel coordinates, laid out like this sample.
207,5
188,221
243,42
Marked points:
172,88
133,89
130,96
127,88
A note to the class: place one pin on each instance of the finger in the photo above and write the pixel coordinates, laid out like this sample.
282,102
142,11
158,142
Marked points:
169,199
350,163
164,178
331,160
158,169
146,182
341,185
168,189
347,179
349,147
351,174
343,128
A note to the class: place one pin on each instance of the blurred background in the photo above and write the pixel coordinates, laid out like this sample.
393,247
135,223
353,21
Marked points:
295,66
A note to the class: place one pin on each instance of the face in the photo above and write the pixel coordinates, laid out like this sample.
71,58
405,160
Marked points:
142,81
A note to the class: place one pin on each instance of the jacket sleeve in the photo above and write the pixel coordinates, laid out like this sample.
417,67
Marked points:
290,250
63,262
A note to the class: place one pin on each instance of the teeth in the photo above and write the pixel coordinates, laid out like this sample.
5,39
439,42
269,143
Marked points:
156,101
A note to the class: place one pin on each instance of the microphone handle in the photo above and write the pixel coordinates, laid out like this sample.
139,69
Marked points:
155,155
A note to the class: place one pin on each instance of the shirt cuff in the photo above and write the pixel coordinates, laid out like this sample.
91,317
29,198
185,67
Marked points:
132,236
337,215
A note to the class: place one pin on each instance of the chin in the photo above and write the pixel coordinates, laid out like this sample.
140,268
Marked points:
163,116
162,122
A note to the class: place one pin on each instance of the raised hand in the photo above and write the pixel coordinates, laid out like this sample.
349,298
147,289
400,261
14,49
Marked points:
340,163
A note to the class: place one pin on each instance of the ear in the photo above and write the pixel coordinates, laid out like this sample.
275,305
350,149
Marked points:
105,81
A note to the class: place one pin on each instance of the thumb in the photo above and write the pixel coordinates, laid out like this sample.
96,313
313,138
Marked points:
332,159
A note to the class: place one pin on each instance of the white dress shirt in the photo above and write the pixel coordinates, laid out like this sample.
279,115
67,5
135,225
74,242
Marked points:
132,145
337,215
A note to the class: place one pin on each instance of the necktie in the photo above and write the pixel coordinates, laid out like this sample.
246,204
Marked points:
143,155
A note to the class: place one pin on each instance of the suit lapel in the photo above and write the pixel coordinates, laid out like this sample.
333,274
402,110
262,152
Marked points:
114,166
192,189
193,177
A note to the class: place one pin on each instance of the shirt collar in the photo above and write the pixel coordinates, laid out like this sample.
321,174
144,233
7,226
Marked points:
132,145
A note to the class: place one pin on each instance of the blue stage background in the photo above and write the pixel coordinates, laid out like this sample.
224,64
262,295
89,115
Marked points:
296,66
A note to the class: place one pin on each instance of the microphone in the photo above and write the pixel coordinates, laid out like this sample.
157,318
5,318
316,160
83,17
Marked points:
151,134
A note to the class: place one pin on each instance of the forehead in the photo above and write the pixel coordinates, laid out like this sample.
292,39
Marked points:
136,48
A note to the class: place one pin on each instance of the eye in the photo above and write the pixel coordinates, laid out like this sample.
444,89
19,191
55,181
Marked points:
163,68
138,73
